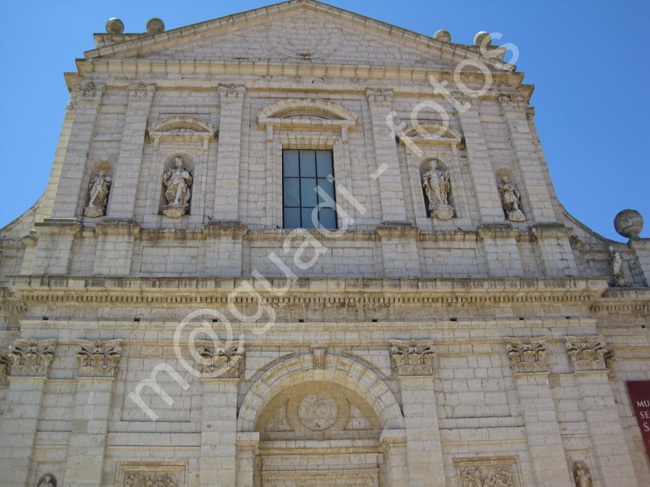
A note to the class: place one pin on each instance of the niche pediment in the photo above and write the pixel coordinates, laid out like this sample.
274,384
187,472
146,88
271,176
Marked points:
181,129
430,134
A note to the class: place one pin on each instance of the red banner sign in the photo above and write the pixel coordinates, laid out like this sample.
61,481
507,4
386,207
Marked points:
640,396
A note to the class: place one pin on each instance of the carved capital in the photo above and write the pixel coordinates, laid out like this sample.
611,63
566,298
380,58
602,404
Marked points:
150,480
512,101
5,368
98,359
379,97
589,353
527,355
88,90
231,93
530,113
141,91
219,362
463,101
413,358
31,358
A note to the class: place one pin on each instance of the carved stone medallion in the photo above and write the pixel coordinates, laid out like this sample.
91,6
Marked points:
309,40
318,412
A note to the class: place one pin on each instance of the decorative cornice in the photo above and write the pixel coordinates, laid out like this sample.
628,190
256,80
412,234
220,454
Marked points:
141,91
98,359
220,229
397,230
527,355
542,231
117,227
31,358
58,226
231,93
92,291
414,358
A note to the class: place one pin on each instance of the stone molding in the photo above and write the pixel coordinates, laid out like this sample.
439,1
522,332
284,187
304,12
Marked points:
527,355
386,230
141,91
98,359
229,229
306,114
412,358
117,227
231,93
380,97
58,226
589,353
31,358
430,134
219,362
542,231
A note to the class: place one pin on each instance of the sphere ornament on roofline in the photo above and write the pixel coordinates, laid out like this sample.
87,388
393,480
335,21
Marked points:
155,26
480,37
114,26
442,35
629,223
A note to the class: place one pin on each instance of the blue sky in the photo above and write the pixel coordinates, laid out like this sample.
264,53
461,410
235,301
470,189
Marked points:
588,60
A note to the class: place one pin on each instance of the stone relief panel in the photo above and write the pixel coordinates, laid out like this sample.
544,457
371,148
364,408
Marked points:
589,353
318,412
31,357
527,355
98,359
151,474
150,480
487,472
5,368
310,40
224,362
415,358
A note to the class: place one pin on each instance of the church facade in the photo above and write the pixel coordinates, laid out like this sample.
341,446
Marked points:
299,247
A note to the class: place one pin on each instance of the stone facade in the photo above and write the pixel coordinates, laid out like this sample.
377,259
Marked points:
159,326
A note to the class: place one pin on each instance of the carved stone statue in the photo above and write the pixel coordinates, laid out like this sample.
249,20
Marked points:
47,481
177,182
616,268
583,478
436,186
511,200
98,191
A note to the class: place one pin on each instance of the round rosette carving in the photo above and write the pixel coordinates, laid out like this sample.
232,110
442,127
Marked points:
318,412
308,40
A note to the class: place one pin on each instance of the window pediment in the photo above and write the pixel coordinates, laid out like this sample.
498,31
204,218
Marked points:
306,114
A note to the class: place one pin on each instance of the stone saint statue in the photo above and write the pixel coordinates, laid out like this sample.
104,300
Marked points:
616,268
47,481
510,199
583,478
436,186
177,182
98,191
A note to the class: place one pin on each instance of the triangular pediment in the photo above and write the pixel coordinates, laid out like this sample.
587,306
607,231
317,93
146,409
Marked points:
297,31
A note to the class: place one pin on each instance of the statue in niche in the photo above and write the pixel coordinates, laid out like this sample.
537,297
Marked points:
98,191
436,186
47,481
583,478
616,268
177,182
510,200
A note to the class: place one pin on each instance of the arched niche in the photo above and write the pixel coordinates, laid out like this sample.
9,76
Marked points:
181,129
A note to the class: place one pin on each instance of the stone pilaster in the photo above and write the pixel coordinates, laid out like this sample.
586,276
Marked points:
115,244
247,451
529,166
223,248
555,250
641,248
478,161
399,250
499,244
226,204
221,369
413,362
391,193
98,363
71,192
392,445
590,360
30,365
124,188
53,252
530,375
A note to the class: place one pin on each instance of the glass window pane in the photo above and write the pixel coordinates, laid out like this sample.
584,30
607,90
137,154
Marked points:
327,218
292,218
327,188
324,163
308,163
308,191
291,192
307,218
290,163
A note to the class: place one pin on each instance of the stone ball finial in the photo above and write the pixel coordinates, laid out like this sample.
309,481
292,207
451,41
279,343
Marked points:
629,223
114,26
480,37
155,26
442,35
